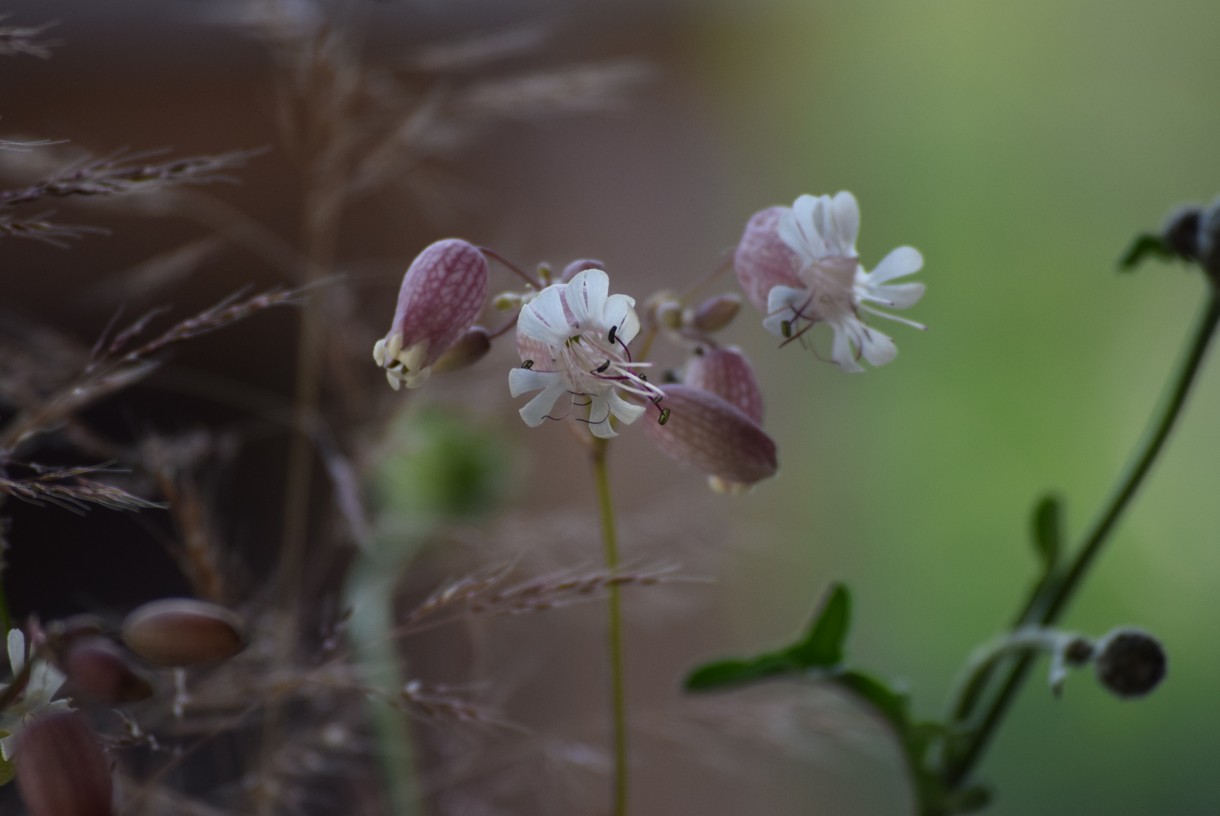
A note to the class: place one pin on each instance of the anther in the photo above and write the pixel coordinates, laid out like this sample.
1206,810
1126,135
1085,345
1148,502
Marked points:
610,336
785,328
528,364
664,417
601,369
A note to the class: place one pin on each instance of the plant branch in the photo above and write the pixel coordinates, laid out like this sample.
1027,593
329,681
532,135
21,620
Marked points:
1054,599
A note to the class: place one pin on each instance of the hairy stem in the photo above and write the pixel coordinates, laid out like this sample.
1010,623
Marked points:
618,695
1047,609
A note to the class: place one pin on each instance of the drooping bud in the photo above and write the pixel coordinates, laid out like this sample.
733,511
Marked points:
61,769
99,669
763,261
1130,663
715,313
727,373
1180,234
442,294
708,433
466,350
1209,240
580,265
183,632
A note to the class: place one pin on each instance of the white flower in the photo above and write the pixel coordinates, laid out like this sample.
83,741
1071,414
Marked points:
44,681
803,260
573,340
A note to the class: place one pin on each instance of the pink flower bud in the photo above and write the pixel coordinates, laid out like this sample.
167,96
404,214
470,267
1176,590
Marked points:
707,432
441,296
101,671
763,261
726,372
716,312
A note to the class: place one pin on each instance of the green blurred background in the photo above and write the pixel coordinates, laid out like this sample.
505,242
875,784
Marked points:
1019,146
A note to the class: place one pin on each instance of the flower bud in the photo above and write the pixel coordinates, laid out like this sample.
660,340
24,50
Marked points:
61,770
715,313
441,296
183,632
466,350
581,265
763,261
1181,232
1209,239
707,432
726,372
1130,663
99,669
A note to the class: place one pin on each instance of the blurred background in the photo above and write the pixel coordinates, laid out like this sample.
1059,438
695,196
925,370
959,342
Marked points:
1019,147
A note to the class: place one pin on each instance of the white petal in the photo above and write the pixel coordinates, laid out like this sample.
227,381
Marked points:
599,417
523,380
6,746
536,410
586,297
620,313
627,412
877,348
843,352
895,296
845,226
16,650
782,305
798,229
902,261
542,319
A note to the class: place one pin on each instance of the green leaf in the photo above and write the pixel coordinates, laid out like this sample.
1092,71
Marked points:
1143,247
735,672
1048,531
888,703
823,646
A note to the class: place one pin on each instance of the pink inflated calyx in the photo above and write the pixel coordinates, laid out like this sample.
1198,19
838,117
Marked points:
727,373
763,261
707,432
442,294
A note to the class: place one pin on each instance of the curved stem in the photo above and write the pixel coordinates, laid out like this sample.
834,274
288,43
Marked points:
618,690
1059,593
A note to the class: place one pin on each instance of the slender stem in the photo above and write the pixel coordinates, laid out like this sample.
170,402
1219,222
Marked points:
1059,593
618,690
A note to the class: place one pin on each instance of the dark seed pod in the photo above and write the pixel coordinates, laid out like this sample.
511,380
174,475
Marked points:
183,632
1130,663
99,669
61,769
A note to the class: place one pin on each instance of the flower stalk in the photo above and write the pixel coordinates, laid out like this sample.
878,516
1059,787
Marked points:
618,687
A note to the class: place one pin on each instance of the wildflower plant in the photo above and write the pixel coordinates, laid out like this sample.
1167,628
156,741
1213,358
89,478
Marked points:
307,679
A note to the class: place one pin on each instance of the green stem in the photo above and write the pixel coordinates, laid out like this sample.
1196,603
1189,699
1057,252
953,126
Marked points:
618,691
1059,593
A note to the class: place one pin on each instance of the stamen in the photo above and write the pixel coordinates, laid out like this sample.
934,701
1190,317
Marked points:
664,417
527,365
601,369
610,336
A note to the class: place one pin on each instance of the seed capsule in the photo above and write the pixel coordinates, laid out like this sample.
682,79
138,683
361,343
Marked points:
99,669
183,632
61,770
